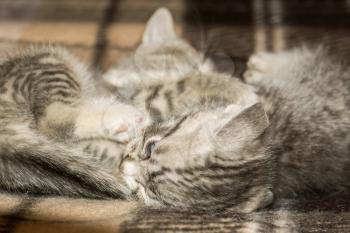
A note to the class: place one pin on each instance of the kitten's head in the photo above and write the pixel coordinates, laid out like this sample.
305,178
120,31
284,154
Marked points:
210,160
162,49
161,53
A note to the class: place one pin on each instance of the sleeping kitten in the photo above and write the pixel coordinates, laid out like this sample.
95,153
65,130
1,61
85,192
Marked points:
58,134
224,151
166,77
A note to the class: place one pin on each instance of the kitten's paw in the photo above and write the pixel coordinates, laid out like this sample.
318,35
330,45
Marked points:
252,76
105,118
123,79
260,62
257,66
125,129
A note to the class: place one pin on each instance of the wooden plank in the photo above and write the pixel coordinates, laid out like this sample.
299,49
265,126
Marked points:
52,10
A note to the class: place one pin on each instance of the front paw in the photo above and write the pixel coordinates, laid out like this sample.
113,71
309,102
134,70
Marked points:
258,66
106,118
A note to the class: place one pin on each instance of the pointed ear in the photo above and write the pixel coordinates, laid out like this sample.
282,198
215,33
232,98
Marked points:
247,125
159,28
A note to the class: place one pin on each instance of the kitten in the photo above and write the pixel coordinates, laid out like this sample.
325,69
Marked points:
233,153
58,134
166,77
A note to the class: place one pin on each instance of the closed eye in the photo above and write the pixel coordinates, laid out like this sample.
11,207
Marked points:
149,148
151,145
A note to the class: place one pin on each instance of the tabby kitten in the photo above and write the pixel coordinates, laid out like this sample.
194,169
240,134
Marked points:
166,77
58,134
216,148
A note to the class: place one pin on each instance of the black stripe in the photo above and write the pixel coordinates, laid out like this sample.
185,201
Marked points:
100,138
46,76
52,86
161,172
25,88
66,75
211,166
152,96
155,114
180,86
55,92
68,102
62,81
169,100
101,37
22,68
176,127
155,129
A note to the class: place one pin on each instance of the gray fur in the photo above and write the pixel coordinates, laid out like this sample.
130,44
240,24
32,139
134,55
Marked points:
307,98
42,91
224,154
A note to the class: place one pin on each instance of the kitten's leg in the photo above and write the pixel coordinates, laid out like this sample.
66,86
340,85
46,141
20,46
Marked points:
107,152
58,121
258,66
33,164
84,131
265,65
99,128
103,127
93,117
271,68
64,109
106,117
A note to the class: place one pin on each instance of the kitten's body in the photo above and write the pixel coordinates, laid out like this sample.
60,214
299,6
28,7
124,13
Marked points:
50,117
210,146
166,77
169,99
208,157
307,97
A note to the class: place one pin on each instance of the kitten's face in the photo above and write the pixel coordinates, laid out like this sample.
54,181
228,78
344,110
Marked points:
208,160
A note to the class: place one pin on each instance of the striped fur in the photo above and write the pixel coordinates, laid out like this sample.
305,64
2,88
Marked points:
187,101
53,138
210,148
167,77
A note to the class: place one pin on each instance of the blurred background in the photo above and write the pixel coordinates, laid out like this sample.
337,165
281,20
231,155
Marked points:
102,31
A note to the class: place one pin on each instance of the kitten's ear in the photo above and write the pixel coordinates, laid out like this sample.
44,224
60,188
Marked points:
246,125
159,28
